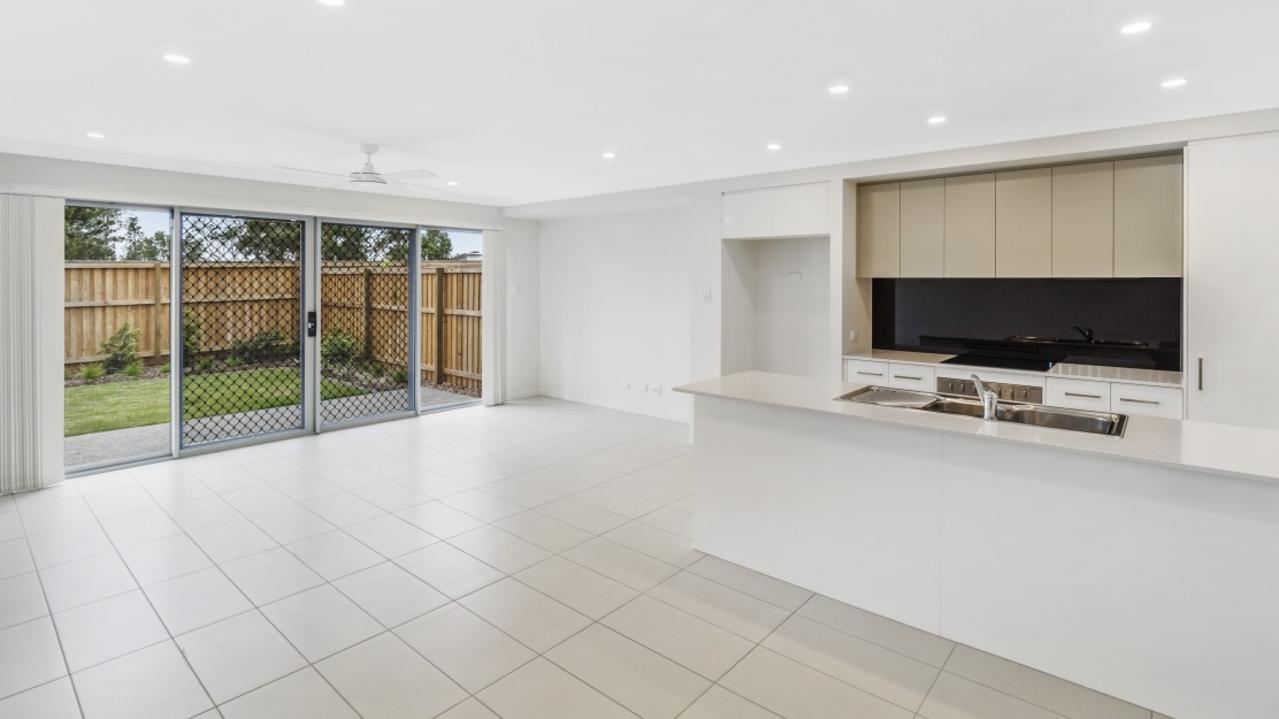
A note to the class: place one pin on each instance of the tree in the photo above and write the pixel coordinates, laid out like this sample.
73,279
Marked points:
344,243
267,240
139,246
436,245
89,233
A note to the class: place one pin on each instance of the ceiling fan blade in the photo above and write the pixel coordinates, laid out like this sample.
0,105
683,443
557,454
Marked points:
312,172
421,174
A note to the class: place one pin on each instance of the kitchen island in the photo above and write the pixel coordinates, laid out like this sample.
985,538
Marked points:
1145,566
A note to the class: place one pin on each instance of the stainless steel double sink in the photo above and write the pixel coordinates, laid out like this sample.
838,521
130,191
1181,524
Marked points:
1110,424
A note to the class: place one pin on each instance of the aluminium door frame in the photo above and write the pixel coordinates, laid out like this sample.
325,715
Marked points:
470,402
171,453
415,320
307,344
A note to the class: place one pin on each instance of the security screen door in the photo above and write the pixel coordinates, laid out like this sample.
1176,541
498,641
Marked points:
365,324
242,300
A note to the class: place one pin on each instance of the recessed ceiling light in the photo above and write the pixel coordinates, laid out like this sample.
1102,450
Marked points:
95,135
1173,82
608,155
838,89
1136,28
773,146
332,3
453,183
937,120
177,59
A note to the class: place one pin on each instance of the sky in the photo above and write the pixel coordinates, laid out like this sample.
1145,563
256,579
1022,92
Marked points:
158,220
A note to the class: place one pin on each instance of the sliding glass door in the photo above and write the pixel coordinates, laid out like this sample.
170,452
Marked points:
116,335
189,329
243,327
366,328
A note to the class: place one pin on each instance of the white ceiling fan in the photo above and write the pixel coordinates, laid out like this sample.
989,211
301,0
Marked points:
369,175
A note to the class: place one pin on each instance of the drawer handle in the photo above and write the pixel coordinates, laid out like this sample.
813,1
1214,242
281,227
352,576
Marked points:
906,376
1085,396
870,374
1138,401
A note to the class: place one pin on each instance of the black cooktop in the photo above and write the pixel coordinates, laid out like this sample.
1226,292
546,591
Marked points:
1035,364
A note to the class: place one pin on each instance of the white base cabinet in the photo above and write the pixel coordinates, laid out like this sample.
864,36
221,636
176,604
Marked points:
1146,400
912,376
1077,394
1099,395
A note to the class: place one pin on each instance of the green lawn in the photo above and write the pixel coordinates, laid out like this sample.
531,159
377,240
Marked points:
134,403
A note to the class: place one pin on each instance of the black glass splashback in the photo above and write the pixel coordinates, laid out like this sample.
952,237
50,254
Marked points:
1119,322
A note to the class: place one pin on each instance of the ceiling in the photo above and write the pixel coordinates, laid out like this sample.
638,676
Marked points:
517,100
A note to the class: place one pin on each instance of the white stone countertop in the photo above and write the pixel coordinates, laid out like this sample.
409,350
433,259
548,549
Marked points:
1158,378
1201,446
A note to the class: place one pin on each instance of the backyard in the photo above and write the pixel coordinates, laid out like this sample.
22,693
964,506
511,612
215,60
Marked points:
135,403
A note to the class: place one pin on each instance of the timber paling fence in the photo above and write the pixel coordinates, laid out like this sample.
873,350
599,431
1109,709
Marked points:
100,297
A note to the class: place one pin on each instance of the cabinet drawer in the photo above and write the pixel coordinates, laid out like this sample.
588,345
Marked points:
911,376
1077,394
866,371
1145,400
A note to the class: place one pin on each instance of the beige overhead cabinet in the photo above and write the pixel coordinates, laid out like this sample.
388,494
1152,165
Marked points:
970,226
923,228
1084,220
879,230
1098,219
1148,217
1024,223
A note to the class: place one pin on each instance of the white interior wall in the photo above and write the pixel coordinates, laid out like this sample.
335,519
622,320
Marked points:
737,301
792,304
614,307
523,309
776,302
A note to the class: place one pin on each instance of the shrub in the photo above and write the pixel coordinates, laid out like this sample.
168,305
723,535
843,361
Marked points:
233,361
192,337
133,369
121,348
338,348
401,375
90,372
164,368
262,346
204,364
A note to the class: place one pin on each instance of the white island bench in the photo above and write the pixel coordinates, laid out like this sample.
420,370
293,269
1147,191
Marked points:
1145,566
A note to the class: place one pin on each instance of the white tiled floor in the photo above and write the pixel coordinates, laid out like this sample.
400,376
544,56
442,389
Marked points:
530,561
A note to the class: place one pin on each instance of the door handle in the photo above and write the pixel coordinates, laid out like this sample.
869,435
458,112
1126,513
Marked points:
1201,374
310,324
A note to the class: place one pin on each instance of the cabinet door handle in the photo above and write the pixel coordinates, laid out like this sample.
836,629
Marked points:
1201,374
870,374
1139,401
1085,396
906,376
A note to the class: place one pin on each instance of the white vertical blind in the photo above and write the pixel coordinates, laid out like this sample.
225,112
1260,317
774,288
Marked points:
31,242
493,331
